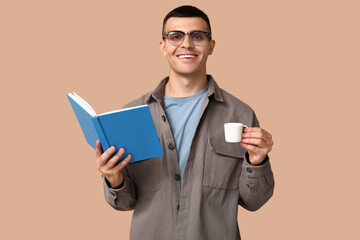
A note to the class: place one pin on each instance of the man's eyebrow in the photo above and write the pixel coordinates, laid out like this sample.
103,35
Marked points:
197,30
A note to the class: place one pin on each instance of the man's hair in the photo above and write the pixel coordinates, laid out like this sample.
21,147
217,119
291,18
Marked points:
186,11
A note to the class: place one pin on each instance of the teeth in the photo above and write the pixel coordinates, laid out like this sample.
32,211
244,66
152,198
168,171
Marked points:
187,56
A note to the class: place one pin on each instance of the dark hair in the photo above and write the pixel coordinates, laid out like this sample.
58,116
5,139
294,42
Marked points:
186,11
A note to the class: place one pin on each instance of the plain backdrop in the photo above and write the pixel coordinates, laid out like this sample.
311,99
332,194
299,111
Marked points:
296,63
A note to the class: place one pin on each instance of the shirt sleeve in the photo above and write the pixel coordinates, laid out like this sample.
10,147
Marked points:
256,183
122,198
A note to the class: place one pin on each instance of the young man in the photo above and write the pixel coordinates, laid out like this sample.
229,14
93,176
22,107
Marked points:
194,190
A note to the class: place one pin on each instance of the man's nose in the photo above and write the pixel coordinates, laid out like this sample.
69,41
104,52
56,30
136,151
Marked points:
187,43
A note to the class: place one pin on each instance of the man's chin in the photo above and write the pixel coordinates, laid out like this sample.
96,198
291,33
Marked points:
187,73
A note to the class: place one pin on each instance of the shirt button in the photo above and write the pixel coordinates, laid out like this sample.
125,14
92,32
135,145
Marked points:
163,118
171,146
178,207
177,177
249,170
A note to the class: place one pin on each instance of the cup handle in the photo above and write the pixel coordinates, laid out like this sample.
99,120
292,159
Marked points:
244,126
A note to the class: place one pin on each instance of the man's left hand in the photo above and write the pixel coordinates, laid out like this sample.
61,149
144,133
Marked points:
258,143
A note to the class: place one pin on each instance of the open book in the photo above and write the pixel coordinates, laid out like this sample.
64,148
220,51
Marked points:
130,128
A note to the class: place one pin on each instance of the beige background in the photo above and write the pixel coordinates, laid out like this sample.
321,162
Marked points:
295,62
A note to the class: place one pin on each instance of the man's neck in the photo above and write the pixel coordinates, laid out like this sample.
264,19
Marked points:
184,85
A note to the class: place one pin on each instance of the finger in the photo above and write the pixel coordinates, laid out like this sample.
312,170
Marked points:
105,156
115,158
252,148
98,150
123,163
259,143
252,129
254,141
256,149
258,134
267,134
256,129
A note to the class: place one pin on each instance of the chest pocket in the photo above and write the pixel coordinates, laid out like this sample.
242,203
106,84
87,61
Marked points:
223,163
145,175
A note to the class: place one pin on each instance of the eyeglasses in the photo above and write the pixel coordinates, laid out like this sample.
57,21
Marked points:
176,38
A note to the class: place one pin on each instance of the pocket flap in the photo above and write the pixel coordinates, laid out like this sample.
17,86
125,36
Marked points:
219,145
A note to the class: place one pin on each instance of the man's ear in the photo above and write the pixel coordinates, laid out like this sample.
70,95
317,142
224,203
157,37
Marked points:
162,48
211,46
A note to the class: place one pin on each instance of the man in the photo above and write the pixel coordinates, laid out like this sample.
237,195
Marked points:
194,190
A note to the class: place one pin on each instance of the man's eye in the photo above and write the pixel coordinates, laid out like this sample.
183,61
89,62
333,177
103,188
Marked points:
175,36
197,36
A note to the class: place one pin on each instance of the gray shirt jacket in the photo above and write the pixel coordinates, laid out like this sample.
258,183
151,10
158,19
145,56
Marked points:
218,176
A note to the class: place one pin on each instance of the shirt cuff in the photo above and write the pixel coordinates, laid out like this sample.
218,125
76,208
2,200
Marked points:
121,187
256,170
262,163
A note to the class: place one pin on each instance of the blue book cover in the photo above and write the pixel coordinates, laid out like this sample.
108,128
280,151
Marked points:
130,128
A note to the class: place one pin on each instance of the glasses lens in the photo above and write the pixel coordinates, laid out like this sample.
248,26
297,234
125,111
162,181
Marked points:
198,38
175,38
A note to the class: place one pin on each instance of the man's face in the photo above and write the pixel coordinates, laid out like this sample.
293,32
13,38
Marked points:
187,66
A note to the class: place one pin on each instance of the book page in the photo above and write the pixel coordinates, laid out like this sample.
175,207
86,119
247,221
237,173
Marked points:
122,110
83,104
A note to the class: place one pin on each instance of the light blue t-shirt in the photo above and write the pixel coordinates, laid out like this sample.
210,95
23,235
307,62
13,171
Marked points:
183,114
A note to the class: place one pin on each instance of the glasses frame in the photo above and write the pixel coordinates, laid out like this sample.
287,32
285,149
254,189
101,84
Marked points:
207,34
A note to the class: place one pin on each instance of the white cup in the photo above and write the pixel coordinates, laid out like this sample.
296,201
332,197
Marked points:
233,132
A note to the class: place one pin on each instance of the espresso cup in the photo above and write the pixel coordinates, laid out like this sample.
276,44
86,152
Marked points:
233,132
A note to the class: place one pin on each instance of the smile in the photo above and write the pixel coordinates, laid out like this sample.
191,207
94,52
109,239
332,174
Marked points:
187,56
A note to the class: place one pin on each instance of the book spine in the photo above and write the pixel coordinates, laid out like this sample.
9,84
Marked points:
99,130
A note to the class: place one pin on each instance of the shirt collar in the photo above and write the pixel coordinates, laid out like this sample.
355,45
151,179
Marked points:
158,92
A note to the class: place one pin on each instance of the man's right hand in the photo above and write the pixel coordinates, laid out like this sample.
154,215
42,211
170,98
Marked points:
113,173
